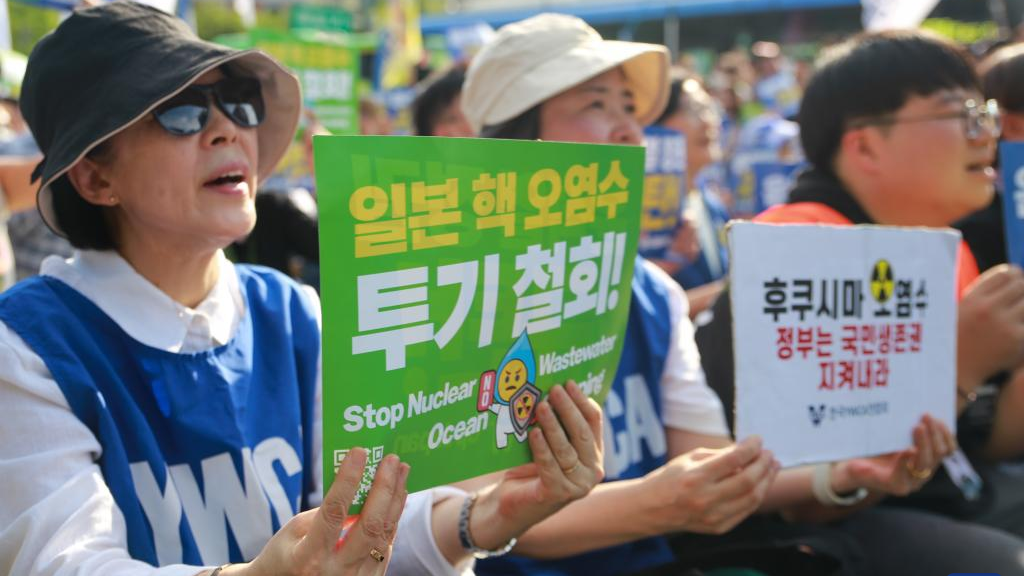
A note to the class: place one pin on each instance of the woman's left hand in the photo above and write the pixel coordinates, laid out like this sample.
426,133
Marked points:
899,473
567,463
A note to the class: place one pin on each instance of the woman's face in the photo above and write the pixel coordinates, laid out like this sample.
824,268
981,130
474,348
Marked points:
598,111
698,121
196,189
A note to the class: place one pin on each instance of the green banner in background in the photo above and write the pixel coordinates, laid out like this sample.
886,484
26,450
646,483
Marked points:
461,279
316,17
327,66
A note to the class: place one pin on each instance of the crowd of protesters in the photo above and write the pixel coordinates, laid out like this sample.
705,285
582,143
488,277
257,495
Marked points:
128,349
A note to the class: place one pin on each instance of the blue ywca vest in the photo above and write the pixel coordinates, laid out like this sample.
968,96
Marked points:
634,435
206,454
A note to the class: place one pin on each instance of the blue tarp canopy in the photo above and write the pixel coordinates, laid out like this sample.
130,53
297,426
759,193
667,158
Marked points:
69,5
610,12
55,4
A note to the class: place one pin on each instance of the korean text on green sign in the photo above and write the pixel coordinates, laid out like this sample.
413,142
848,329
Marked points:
461,279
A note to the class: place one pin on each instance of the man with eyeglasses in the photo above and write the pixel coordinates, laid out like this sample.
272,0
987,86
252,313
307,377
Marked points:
897,133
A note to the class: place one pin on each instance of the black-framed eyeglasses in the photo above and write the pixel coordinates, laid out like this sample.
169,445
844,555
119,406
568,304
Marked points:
240,99
977,117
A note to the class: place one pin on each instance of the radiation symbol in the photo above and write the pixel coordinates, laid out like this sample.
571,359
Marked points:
881,281
524,403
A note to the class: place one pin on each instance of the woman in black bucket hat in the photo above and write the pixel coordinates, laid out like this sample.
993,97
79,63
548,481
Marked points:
159,406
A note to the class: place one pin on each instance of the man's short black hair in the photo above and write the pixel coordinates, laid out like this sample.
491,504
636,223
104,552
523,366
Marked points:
1002,77
437,94
874,74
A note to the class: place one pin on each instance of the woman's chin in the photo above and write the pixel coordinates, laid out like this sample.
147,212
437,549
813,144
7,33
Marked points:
228,232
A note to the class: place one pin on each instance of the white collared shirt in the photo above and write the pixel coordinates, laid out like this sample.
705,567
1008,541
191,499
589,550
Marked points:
147,314
57,515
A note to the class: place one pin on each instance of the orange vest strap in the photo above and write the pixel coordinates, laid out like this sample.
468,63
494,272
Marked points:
802,213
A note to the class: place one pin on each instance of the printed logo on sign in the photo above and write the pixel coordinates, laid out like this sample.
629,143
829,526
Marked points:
817,414
881,281
511,392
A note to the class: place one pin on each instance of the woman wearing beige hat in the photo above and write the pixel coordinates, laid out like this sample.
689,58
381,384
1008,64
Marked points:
670,464
159,405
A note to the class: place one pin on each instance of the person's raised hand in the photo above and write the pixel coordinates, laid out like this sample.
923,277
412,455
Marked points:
710,491
990,325
310,544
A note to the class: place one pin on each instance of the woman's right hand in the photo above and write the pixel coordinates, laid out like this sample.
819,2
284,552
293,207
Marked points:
309,544
567,463
710,491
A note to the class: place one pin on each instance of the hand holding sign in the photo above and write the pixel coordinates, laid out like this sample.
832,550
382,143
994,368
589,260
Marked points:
308,543
567,464
899,473
711,491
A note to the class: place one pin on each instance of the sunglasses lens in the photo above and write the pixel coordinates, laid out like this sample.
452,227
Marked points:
184,114
242,100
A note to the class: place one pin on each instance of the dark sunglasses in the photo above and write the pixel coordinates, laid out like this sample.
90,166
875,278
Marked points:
240,99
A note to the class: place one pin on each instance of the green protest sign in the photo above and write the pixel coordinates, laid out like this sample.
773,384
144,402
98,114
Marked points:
460,280
327,66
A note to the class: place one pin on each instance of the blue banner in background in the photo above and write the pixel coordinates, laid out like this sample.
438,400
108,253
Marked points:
772,183
1011,162
664,191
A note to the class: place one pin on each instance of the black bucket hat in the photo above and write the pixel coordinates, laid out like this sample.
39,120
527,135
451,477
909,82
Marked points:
106,67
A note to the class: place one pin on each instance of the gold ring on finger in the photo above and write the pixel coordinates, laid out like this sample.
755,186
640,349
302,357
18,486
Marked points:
568,471
918,474
376,555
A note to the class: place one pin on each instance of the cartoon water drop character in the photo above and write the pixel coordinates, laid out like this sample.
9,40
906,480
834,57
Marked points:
511,378
511,393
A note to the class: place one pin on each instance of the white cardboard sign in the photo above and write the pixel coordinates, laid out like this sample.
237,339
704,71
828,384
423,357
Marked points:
844,336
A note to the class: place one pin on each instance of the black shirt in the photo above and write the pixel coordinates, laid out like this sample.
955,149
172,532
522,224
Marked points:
984,233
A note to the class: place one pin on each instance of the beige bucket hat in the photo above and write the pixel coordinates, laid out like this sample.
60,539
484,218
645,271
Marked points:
532,60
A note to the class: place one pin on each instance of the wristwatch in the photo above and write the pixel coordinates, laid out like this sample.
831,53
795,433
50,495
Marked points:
467,541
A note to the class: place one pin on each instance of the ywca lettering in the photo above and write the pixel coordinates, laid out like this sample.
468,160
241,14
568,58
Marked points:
226,502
